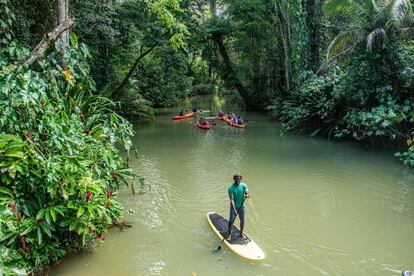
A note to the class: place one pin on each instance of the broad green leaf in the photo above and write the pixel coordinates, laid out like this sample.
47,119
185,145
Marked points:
80,211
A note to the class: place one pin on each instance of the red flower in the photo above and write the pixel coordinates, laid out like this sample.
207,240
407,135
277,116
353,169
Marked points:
109,193
20,218
28,135
107,205
90,229
88,196
86,131
115,174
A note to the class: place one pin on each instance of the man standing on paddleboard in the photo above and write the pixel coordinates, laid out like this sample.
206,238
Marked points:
238,191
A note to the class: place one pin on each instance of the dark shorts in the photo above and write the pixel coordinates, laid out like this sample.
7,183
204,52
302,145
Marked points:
240,215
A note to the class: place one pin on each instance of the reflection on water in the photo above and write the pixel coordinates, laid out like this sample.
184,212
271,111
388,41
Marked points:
316,207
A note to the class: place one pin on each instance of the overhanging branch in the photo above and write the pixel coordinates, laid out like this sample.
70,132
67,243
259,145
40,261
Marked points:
48,39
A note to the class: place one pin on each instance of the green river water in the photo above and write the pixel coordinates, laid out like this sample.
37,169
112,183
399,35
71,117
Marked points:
317,207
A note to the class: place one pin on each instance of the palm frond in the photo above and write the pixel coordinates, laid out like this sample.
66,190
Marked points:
339,44
401,8
376,34
337,6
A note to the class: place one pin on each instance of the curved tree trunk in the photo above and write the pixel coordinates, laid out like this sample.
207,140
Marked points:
231,76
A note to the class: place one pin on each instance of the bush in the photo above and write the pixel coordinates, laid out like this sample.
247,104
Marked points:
313,105
60,168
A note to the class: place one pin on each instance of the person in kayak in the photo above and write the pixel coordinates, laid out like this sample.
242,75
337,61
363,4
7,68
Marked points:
204,122
181,112
237,192
194,109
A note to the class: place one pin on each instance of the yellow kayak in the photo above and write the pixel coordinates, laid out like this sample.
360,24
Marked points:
245,248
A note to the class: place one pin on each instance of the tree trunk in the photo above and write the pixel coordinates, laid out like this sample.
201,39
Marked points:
119,91
63,15
230,75
313,18
284,29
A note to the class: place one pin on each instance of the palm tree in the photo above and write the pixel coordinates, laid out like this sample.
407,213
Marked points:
367,21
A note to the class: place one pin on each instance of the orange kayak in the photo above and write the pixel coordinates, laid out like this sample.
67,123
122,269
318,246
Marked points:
185,116
238,126
227,120
203,126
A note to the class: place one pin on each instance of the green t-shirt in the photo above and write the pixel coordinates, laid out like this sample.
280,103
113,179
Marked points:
238,193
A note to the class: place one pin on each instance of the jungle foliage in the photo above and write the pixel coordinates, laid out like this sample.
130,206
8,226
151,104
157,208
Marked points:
60,167
339,68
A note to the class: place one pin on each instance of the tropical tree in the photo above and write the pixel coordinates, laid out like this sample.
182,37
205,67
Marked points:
367,22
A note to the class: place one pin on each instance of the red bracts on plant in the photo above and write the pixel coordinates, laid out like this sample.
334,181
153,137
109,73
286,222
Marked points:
107,205
88,196
14,208
109,193
23,242
86,131
90,229
115,174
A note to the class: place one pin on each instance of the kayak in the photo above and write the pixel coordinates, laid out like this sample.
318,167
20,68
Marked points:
219,117
239,126
188,115
245,248
203,126
227,120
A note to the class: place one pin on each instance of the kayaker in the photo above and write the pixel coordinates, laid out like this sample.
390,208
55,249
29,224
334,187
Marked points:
194,109
181,113
237,192
240,121
220,113
203,122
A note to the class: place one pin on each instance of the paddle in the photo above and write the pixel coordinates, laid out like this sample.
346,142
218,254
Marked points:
229,230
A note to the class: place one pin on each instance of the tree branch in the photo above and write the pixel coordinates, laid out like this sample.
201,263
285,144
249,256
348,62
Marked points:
118,92
48,39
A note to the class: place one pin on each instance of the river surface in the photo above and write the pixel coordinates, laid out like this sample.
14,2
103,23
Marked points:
317,207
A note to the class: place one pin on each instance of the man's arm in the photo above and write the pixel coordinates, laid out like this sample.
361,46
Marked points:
232,204
246,191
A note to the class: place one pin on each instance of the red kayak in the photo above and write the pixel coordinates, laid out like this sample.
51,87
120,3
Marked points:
185,116
220,117
203,126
